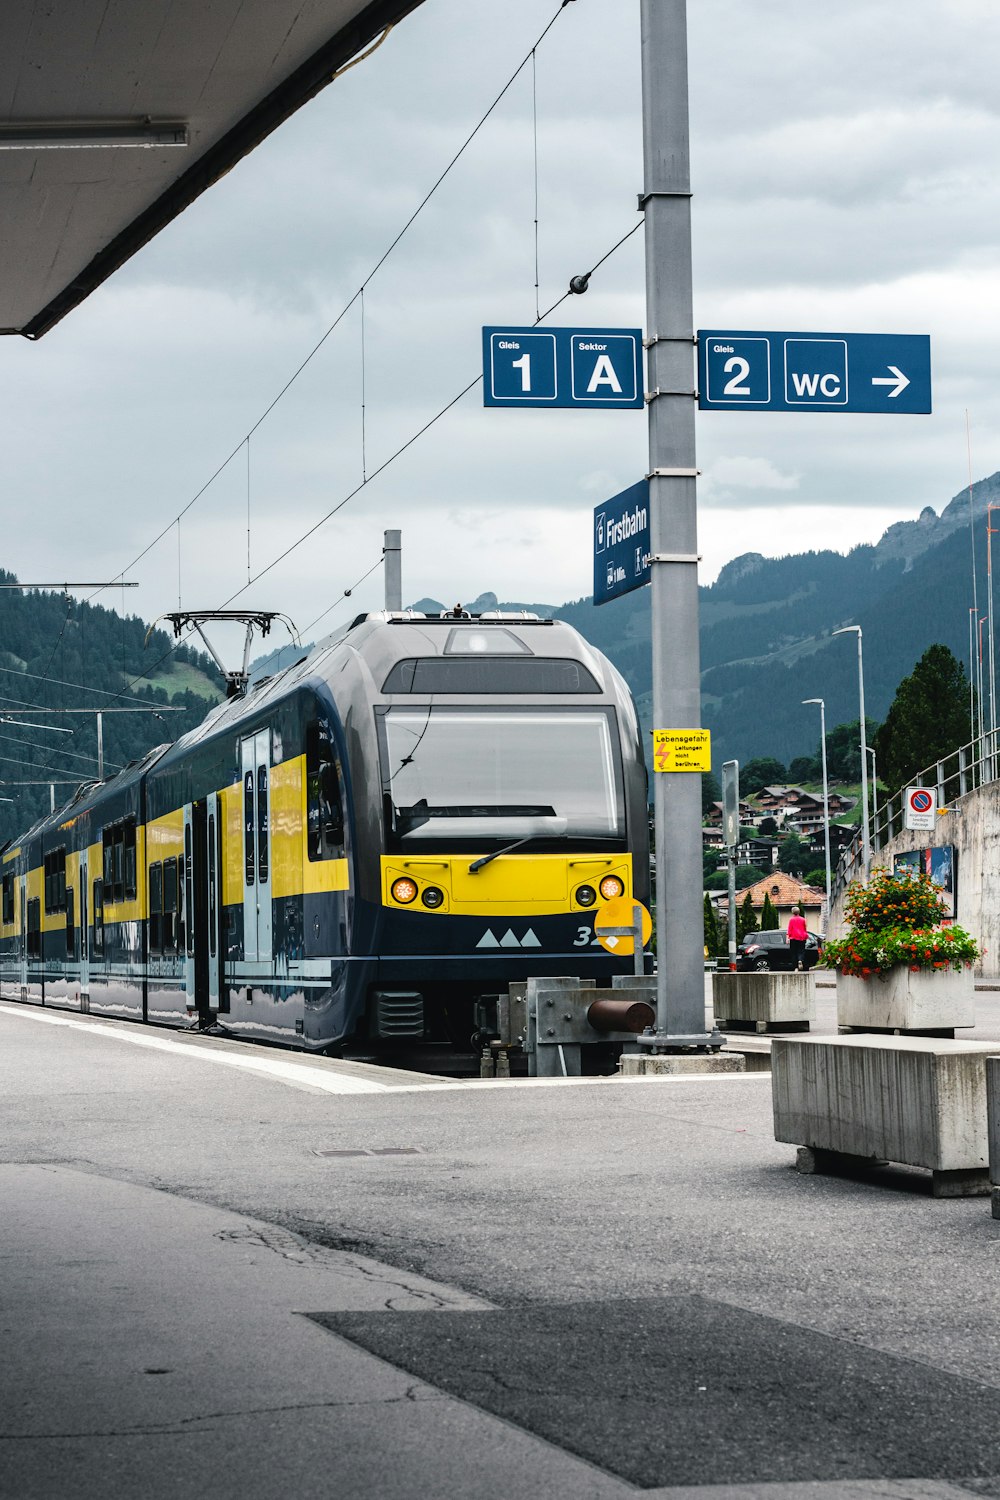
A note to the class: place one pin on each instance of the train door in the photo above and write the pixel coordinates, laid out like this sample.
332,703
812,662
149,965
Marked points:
189,925
212,846
84,935
256,752
22,939
203,963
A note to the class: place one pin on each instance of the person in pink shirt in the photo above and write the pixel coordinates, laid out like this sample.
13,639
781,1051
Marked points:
797,934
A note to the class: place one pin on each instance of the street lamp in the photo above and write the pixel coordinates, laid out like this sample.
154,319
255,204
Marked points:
866,847
826,804
871,752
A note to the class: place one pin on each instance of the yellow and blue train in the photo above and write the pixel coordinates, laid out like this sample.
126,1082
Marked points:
361,847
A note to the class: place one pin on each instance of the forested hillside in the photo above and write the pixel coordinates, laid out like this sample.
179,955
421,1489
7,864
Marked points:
57,652
767,628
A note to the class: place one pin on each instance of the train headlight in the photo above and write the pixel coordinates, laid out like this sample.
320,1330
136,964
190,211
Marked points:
611,887
433,897
404,890
585,895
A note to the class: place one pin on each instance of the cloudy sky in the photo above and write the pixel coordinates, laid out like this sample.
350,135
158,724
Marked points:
844,164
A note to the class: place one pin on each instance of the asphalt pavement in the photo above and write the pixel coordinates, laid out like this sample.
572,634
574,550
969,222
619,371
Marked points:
228,1271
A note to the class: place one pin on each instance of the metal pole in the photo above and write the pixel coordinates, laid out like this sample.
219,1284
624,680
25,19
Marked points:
52,796
982,706
972,691
100,745
666,203
871,752
866,848
731,834
993,675
826,803
866,841
392,551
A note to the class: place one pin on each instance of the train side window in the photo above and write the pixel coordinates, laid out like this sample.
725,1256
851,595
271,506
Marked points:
211,885
98,916
156,908
262,865
128,860
55,880
34,925
169,926
249,826
70,924
8,900
324,806
120,862
188,884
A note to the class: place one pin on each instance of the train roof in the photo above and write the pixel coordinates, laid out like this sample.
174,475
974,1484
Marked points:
89,792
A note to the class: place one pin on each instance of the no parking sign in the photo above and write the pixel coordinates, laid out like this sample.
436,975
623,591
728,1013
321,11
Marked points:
921,807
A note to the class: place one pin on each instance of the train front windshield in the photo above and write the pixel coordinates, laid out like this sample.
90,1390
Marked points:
483,775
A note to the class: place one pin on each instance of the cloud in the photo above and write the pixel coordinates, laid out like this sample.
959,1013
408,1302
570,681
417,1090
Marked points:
843,168
740,473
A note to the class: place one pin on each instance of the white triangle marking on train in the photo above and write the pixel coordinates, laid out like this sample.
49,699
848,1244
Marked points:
488,940
509,940
529,940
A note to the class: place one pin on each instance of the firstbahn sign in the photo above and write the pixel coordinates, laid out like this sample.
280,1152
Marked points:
888,373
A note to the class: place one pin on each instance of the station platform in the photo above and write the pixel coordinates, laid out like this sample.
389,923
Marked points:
230,1271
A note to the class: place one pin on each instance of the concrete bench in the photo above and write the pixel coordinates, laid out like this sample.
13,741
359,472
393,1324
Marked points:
760,1002
849,1101
993,1127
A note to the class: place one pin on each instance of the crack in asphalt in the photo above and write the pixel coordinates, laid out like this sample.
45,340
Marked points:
416,1394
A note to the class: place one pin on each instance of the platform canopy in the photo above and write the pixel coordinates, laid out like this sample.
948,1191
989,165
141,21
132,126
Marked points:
116,114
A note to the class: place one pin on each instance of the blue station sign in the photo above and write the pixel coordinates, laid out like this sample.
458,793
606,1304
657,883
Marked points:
563,367
888,373
621,543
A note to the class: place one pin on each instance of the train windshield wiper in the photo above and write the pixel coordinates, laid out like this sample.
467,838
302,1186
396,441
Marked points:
533,838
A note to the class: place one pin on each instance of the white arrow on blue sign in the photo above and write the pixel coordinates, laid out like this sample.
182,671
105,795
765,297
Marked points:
621,543
565,367
845,372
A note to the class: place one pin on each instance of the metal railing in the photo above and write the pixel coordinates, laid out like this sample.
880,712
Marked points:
973,765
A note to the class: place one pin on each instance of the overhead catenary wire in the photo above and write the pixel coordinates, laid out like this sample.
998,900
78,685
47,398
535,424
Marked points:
414,437
394,243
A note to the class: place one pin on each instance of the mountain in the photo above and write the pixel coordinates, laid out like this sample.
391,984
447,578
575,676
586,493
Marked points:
767,623
767,628
63,653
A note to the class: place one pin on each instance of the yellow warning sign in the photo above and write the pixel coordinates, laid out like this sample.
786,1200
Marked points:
682,750
617,913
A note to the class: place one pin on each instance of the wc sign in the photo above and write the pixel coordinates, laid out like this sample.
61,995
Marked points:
888,373
563,367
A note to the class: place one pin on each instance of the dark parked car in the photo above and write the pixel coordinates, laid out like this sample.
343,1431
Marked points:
769,950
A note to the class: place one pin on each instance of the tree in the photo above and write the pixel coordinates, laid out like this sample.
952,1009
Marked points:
768,827
816,877
768,916
843,749
793,854
805,768
711,791
746,875
716,882
927,720
759,773
746,919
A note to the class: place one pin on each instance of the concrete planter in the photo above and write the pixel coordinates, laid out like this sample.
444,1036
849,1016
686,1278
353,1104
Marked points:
759,1001
929,1000
919,1100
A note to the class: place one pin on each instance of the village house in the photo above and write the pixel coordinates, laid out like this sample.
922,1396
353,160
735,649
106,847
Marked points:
785,892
